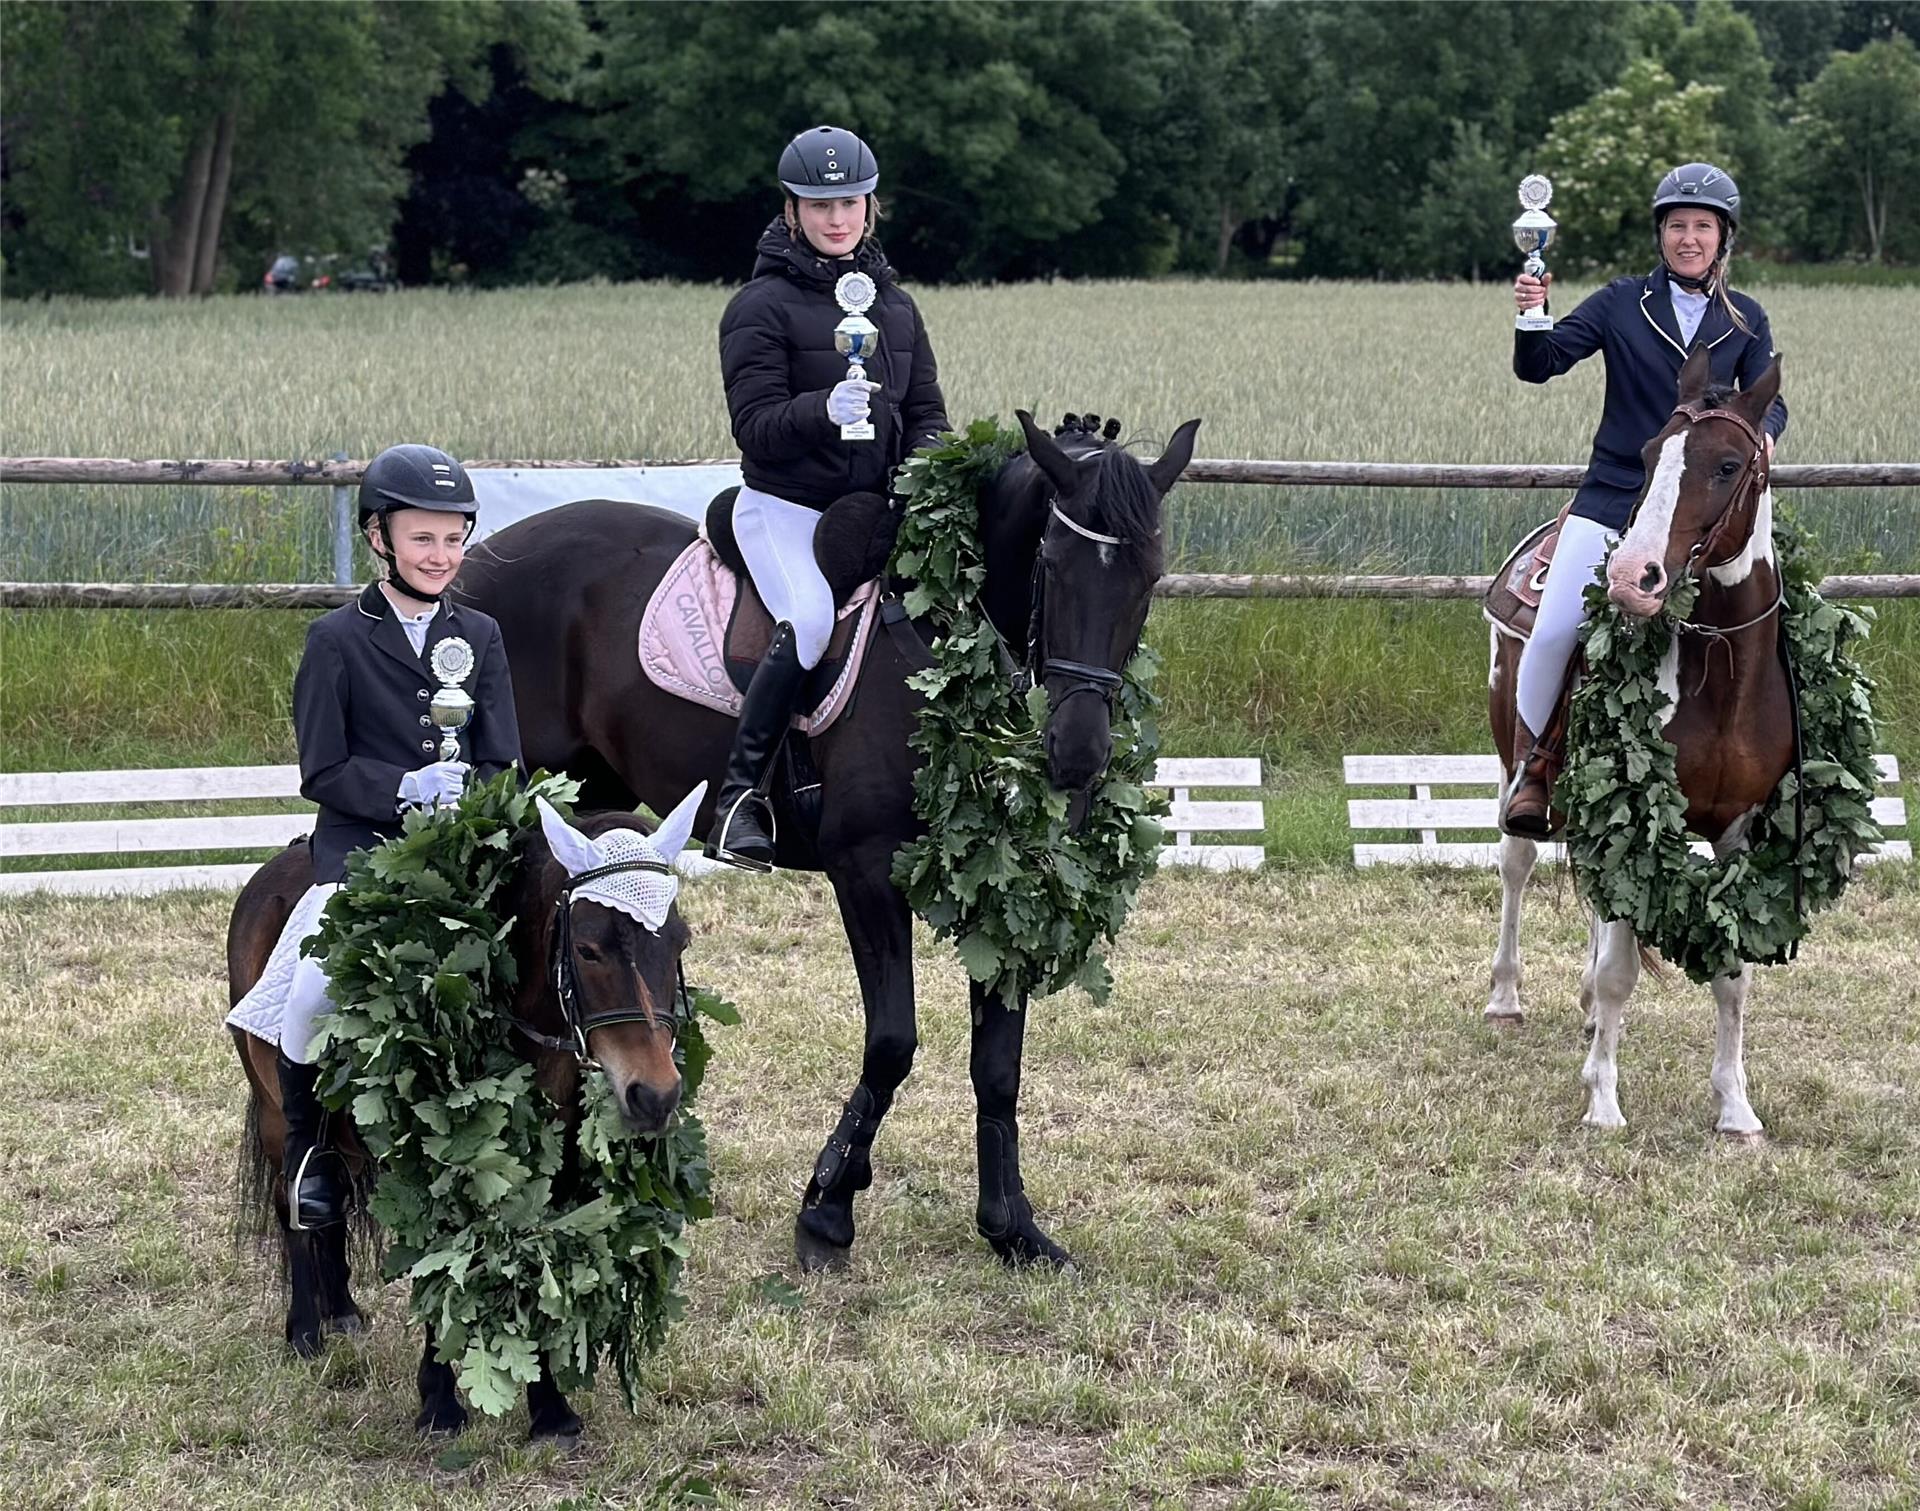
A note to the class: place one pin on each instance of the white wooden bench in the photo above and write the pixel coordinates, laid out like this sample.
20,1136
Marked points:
268,831
1189,817
1420,812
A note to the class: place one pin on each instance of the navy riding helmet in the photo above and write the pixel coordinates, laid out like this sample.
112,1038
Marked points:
828,162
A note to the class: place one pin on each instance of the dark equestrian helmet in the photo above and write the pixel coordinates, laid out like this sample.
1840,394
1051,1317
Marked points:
1698,184
415,477
828,162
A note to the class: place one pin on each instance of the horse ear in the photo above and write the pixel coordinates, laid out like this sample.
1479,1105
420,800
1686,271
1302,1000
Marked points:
570,847
1047,455
671,837
1695,373
1757,400
1173,461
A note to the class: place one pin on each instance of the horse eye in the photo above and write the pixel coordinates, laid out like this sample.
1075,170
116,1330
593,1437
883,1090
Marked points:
588,952
1728,468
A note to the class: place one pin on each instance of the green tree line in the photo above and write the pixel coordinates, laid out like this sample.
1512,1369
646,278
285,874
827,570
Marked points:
176,146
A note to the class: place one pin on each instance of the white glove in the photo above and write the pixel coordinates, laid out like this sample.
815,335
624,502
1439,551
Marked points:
848,402
437,786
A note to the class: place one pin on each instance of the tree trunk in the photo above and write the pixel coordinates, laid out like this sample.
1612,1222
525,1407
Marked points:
1229,223
173,268
207,253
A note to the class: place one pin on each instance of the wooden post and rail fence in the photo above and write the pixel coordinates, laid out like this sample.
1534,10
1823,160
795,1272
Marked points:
340,474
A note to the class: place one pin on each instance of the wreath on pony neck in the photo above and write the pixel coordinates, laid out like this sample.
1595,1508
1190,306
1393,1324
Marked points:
1626,818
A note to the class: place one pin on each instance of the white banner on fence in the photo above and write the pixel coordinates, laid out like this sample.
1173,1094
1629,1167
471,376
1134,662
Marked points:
508,495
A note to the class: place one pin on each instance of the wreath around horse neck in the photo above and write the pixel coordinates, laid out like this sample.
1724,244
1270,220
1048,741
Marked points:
508,1265
1026,895
1626,817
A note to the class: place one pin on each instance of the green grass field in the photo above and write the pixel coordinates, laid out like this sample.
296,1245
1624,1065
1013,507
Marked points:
1341,1244
1308,371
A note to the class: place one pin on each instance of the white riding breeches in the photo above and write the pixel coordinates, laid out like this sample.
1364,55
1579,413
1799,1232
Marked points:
291,994
1556,628
776,538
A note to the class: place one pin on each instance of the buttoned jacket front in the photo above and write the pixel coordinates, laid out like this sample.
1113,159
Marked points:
1631,320
360,719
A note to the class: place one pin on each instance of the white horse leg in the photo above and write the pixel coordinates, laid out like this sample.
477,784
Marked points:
1737,1118
1589,975
1615,975
1517,855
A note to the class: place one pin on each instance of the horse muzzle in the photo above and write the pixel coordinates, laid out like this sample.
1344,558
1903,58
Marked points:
1638,587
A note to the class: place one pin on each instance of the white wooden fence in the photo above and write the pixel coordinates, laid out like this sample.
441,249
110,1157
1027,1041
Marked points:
1419,812
262,831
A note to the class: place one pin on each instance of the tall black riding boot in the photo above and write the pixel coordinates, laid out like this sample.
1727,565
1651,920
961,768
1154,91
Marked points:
316,1183
743,823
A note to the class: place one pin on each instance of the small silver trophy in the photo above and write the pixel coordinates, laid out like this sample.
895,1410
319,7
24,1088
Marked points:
1532,234
857,338
451,708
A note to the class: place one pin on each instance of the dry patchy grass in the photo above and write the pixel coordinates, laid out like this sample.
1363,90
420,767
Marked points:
1342,1244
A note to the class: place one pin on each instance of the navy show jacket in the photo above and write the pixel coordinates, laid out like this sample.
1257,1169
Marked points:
1632,321
360,718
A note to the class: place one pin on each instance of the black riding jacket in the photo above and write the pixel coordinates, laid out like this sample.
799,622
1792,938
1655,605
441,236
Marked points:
1632,321
360,718
779,363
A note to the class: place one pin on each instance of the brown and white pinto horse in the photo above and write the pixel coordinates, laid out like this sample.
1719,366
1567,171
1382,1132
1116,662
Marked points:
1706,510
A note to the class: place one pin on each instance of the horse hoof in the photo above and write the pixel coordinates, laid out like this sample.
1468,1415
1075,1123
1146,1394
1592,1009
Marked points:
1744,1138
348,1324
1514,1019
1029,1249
816,1255
561,1435
305,1343
441,1421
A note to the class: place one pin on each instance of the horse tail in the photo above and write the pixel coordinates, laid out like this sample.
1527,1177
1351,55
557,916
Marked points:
254,1216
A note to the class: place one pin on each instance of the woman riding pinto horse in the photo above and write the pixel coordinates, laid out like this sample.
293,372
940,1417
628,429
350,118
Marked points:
1707,512
1647,327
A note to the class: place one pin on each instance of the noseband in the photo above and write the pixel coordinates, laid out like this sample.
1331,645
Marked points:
1081,676
566,980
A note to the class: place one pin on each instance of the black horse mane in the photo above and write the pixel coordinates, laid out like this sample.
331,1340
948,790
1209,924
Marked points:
1124,499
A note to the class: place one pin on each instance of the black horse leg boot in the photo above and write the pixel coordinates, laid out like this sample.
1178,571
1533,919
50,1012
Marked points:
743,823
316,1185
1528,810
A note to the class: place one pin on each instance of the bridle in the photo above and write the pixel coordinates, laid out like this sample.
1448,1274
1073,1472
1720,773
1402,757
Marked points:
1080,676
566,981
1732,530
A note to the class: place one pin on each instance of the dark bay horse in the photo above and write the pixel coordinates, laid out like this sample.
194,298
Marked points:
624,983
1706,511
1075,515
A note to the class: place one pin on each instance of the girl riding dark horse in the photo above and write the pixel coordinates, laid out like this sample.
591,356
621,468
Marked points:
600,953
569,588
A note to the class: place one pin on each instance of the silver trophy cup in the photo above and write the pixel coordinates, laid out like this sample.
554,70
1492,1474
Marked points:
1532,234
856,338
452,707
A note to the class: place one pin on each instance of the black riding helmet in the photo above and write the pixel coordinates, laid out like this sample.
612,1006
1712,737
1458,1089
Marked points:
828,162
413,477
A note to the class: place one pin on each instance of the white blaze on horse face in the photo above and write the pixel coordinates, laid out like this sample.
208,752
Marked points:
1646,540
1759,547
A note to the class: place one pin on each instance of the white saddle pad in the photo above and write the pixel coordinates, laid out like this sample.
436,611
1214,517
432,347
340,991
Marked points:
262,1009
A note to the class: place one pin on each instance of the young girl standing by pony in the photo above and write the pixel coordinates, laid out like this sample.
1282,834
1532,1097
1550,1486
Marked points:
368,752
1647,327
789,394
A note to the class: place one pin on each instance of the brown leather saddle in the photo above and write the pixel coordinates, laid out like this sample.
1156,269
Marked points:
1513,600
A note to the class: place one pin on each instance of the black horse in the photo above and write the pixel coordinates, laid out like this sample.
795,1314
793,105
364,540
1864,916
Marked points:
1074,522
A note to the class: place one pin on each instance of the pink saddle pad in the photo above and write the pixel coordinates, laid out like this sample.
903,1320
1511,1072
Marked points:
684,638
